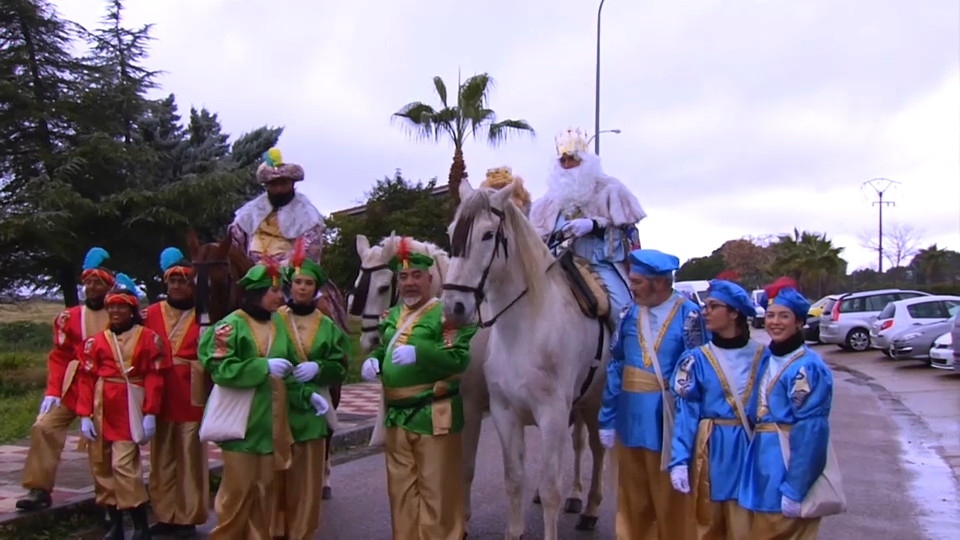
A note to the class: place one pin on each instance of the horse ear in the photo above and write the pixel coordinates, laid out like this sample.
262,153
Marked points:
193,244
465,189
363,244
223,248
501,197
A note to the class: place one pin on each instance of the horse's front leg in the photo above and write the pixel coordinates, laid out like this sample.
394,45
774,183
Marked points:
512,442
588,519
553,419
574,502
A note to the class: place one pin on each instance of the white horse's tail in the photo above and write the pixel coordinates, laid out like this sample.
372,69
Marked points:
379,435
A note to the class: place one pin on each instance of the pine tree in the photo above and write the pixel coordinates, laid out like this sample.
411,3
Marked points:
38,115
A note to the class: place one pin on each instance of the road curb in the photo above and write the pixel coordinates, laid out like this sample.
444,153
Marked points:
341,441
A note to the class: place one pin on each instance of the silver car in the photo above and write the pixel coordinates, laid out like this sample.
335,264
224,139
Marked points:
847,323
915,343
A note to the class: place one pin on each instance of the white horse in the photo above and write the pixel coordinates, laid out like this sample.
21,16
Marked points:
540,346
375,291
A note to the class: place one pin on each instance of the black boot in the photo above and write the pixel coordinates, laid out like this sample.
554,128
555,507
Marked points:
115,532
36,499
141,528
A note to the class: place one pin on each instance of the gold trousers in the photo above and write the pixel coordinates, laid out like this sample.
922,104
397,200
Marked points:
244,501
47,437
726,520
424,485
648,508
179,474
117,473
296,513
775,526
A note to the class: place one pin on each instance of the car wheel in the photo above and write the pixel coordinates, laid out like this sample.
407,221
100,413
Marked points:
858,340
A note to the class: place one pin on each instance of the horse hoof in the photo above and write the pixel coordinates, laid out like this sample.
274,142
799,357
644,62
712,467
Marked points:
536,499
587,523
327,493
573,506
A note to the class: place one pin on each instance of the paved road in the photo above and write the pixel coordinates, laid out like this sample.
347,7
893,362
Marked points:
898,487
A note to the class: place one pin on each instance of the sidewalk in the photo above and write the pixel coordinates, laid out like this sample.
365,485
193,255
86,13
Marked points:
357,411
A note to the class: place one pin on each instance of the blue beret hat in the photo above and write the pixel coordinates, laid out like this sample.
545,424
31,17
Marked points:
653,263
732,295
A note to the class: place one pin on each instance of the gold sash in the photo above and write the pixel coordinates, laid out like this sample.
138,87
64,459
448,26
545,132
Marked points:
441,410
638,380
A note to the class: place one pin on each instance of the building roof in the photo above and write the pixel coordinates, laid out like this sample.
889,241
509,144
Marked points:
439,191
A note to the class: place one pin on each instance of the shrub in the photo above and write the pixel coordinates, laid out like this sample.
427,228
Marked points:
25,336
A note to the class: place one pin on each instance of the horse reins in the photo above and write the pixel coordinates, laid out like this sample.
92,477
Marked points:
362,293
203,294
500,240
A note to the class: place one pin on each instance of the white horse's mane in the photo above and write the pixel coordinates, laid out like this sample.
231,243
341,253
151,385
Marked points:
523,242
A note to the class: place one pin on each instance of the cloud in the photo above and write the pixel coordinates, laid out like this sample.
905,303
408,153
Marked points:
737,118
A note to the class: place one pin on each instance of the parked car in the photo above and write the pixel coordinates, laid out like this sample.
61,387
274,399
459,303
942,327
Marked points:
902,314
847,324
955,342
941,355
757,321
811,329
915,343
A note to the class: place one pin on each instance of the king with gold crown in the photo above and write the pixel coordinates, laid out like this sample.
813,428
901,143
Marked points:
596,210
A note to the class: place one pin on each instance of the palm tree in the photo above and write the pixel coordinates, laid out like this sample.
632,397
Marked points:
469,116
930,263
807,256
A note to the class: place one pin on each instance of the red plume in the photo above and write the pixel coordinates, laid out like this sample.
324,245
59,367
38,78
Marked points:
403,249
773,289
299,252
273,269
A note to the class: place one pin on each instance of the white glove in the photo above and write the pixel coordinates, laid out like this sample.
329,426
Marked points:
49,402
149,426
404,355
606,438
306,371
279,367
319,404
680,478
578,227
86,429
789,507
370,369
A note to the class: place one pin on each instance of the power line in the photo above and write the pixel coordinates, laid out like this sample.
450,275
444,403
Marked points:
880,185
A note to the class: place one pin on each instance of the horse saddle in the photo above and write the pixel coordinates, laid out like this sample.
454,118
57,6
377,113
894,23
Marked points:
586,285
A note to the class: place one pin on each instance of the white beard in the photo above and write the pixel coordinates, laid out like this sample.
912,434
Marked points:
573,188
411,301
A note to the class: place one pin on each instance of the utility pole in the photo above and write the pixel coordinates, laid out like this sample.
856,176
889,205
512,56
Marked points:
880,185
596,118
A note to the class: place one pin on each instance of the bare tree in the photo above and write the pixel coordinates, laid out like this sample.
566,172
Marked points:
900,242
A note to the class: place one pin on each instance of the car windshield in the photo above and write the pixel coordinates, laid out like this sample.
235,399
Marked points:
889,311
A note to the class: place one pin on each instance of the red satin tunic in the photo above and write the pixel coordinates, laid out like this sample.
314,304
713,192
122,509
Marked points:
181,333
143,354
70,329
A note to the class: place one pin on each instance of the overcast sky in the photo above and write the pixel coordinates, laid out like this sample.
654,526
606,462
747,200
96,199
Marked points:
738,117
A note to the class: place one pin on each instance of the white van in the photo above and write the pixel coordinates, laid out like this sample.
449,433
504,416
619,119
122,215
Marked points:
695,290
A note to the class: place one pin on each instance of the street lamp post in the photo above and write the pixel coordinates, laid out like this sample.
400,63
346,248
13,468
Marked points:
617,131
596,125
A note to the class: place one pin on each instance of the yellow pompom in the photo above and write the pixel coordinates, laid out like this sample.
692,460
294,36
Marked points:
273,157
